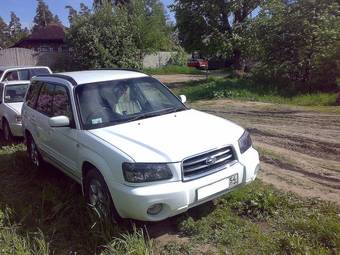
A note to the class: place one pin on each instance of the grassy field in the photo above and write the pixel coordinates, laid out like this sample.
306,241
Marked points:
43,212
235,88
172,69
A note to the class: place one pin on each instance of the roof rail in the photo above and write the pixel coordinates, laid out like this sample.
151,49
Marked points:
118,69
61,76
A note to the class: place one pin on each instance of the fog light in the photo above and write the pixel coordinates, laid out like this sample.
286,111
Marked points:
155,209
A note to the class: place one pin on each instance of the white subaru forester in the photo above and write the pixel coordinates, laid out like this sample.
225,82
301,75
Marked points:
135,148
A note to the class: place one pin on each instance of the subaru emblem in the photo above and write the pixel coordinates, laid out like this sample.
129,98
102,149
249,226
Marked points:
210,160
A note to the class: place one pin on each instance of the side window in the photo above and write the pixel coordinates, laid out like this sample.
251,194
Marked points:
32,94
39,71
24,75
45,99
61,102
11,76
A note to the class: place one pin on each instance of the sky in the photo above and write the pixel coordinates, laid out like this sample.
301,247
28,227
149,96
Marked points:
25,9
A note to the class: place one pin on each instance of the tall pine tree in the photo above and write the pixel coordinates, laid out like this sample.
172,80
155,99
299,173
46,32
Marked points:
16,32
4,34
44,16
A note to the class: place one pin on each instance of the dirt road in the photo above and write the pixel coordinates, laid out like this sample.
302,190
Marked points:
299,147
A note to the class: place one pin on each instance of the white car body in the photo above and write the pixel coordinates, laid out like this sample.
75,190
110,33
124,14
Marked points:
170,138
11,112
5,70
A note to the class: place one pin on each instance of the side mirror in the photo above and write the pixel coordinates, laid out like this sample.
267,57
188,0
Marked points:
59,121
183,98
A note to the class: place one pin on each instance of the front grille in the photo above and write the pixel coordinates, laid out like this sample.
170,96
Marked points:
207,163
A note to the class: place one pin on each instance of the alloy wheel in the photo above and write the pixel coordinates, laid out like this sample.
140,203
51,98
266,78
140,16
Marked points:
98,198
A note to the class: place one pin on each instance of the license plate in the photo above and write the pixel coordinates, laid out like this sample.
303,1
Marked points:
217,187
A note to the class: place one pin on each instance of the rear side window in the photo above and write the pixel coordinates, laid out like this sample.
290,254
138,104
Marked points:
45,99
39,71
11,76
33,93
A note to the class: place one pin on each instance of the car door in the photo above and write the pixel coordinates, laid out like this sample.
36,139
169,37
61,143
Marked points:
63,140
41,116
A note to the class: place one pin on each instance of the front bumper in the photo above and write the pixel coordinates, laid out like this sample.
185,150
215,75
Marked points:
177,197
16,129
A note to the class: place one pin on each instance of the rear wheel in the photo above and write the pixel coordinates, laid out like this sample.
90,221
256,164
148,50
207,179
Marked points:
97,195
8,137
33,153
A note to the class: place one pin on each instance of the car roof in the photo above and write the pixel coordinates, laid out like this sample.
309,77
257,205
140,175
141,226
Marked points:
92,76
15,82
4,68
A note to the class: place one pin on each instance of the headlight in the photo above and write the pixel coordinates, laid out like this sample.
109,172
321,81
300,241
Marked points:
146,172
244,142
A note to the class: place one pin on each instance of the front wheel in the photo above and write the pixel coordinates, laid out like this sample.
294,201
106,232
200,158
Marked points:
97,195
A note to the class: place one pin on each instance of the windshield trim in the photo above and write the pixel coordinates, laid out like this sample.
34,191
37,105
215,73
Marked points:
107,124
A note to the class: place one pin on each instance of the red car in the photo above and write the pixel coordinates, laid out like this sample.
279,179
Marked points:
198,63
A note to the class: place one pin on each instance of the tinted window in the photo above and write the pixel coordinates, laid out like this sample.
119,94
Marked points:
45,99
11,76
39,71
33,93
24,74
15,93
61,102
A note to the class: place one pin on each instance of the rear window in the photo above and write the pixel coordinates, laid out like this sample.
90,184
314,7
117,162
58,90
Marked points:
39,71
15,93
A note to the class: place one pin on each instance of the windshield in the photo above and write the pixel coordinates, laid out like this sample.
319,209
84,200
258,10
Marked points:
114,102
15,93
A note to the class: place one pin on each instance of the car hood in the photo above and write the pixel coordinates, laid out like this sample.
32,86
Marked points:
16,107
170,137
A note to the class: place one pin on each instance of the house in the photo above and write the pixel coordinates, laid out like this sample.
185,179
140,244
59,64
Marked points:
45,39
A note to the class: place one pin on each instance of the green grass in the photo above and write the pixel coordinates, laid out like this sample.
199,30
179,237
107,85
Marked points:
172,69
43,212
235,88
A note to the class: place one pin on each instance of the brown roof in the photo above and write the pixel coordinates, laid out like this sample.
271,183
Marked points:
52,32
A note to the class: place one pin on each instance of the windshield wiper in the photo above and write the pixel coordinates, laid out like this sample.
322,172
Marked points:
155,113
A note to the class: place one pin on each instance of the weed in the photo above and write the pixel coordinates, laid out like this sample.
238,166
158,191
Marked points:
237,88
172,69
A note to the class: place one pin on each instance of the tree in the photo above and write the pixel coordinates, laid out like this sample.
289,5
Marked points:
150,29
4,34
119,36
72,13
299,42
215,27
44,16
99,3
103,39
16,32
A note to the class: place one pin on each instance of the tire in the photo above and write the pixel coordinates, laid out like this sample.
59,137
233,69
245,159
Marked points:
7,134
33,153
98,197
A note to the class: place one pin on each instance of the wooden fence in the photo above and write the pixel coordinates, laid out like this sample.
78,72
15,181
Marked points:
18,57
